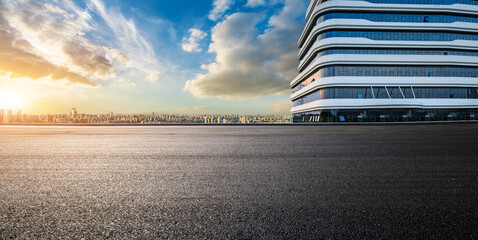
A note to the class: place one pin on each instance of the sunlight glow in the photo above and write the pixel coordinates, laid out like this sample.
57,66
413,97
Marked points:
10,99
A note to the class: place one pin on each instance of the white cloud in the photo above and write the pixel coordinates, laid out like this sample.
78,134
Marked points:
248,63
118,56
191,44
129,39
255,3
153,76
220,7
96,42
52,40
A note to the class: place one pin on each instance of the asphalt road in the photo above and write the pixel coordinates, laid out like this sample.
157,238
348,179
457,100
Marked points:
239,182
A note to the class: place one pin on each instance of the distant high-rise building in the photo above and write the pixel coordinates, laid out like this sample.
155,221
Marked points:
387,60
73,113
2,115
9,116
19,117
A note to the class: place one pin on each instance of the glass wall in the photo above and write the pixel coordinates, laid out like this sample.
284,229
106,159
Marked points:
390,52
396,52
395,17
433,2
392,71
382,92
423,92
395,36
399,36
385,115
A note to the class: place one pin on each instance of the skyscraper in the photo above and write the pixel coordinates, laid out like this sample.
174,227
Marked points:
73,113
9,116
19,117
387,60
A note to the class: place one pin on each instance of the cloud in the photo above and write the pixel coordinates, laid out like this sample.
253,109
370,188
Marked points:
191,44
128,38
220,7
89,58
255,3
17,59
248,63
118,56
282,107
56,35
96,42
153,76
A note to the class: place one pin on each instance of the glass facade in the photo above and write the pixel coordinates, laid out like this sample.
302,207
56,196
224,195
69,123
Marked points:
395,36
399,36
397,52
386,115
394,17
433,2
390,52
391,71
387,92
439,33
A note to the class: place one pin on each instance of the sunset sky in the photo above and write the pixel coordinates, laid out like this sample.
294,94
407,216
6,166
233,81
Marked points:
181,56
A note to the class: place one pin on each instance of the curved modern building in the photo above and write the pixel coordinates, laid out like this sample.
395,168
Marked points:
387,60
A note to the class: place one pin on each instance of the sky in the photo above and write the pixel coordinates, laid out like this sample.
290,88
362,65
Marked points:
180,56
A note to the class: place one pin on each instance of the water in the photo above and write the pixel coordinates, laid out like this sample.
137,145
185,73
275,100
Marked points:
414,181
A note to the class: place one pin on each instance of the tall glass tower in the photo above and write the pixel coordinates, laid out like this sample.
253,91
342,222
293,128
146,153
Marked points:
387,60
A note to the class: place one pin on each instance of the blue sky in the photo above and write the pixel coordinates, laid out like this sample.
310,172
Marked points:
220,56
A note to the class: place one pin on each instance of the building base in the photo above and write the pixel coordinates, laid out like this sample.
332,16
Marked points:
386,115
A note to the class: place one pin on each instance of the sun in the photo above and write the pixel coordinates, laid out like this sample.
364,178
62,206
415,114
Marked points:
10,99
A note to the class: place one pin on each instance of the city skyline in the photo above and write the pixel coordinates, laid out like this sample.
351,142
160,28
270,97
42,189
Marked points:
9,116
220,56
